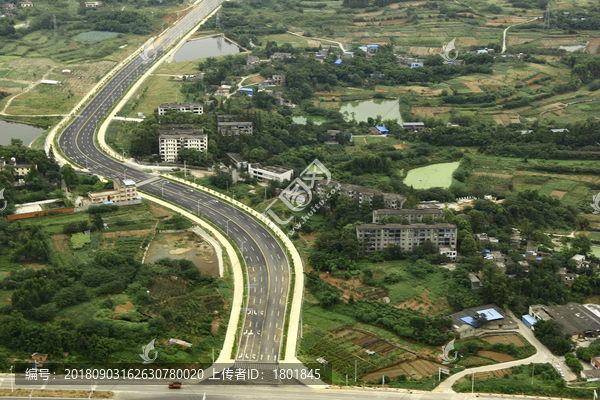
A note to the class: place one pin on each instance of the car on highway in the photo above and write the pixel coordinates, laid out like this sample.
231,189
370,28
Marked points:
175,385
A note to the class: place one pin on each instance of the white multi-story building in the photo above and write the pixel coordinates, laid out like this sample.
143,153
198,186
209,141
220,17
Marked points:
170,141
270,172
195,108
374,237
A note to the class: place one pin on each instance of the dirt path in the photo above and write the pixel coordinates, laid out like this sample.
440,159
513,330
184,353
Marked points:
320,38
506,30
27,89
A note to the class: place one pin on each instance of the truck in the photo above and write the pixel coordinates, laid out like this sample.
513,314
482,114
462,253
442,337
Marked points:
175,385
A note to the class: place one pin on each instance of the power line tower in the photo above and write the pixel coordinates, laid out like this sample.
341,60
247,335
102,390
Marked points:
547,17
54,18
218,19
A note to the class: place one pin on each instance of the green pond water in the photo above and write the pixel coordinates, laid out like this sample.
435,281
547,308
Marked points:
315,120
388,109
437,175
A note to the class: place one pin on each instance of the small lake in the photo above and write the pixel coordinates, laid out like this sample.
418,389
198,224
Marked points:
27,133
202,48
437,175
388,109
315,120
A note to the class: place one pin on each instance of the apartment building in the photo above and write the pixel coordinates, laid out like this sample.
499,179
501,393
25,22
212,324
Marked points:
411,214
195,108
374,237
359,194
171,140
234,128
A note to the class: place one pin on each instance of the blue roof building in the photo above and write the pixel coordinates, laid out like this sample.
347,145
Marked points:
247,91
416,65
338,61
363,48
482,51
382,130
529,320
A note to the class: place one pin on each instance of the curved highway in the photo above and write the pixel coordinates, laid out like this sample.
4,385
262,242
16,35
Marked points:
267,266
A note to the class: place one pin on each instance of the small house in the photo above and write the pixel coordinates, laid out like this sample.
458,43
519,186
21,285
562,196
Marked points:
247,91
26,4
66,72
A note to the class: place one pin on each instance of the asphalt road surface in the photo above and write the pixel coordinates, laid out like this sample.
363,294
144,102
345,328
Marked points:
267,265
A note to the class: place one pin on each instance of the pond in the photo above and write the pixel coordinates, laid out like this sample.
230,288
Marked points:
202,48
388,109
437,175
302,120
27,133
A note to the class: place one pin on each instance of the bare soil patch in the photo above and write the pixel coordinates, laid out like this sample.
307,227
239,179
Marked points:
557,194
517,340
401,146
535,78
60,242
493,174
119,234
534,87
473,86
593,46
124,308
345,286
500,357
429,111
160,212
583,178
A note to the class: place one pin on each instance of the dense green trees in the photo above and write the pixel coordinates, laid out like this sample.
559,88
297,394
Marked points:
551,335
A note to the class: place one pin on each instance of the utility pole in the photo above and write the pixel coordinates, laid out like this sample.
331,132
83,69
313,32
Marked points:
163,189
184,170
198,207
473,384
355,370
124,174
218,19
532,372
383,382
547,17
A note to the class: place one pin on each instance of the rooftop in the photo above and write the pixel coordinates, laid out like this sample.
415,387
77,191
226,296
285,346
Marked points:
235,157
401,226
491,311
575,318
408,211
278,169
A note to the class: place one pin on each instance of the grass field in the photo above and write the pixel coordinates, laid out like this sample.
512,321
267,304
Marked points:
154,91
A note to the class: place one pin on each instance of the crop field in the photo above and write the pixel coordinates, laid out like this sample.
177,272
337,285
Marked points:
517,340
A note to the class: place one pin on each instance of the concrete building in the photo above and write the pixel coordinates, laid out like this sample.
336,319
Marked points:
411,214
270,172
171,140
577,320
279,56
413,126
234,128
122,191
26,4
595,362
405,61
195,108
227,117
278,79
237,160
20,169
359,194
465,323
448,251
373,237
475,281
39,357
93,4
